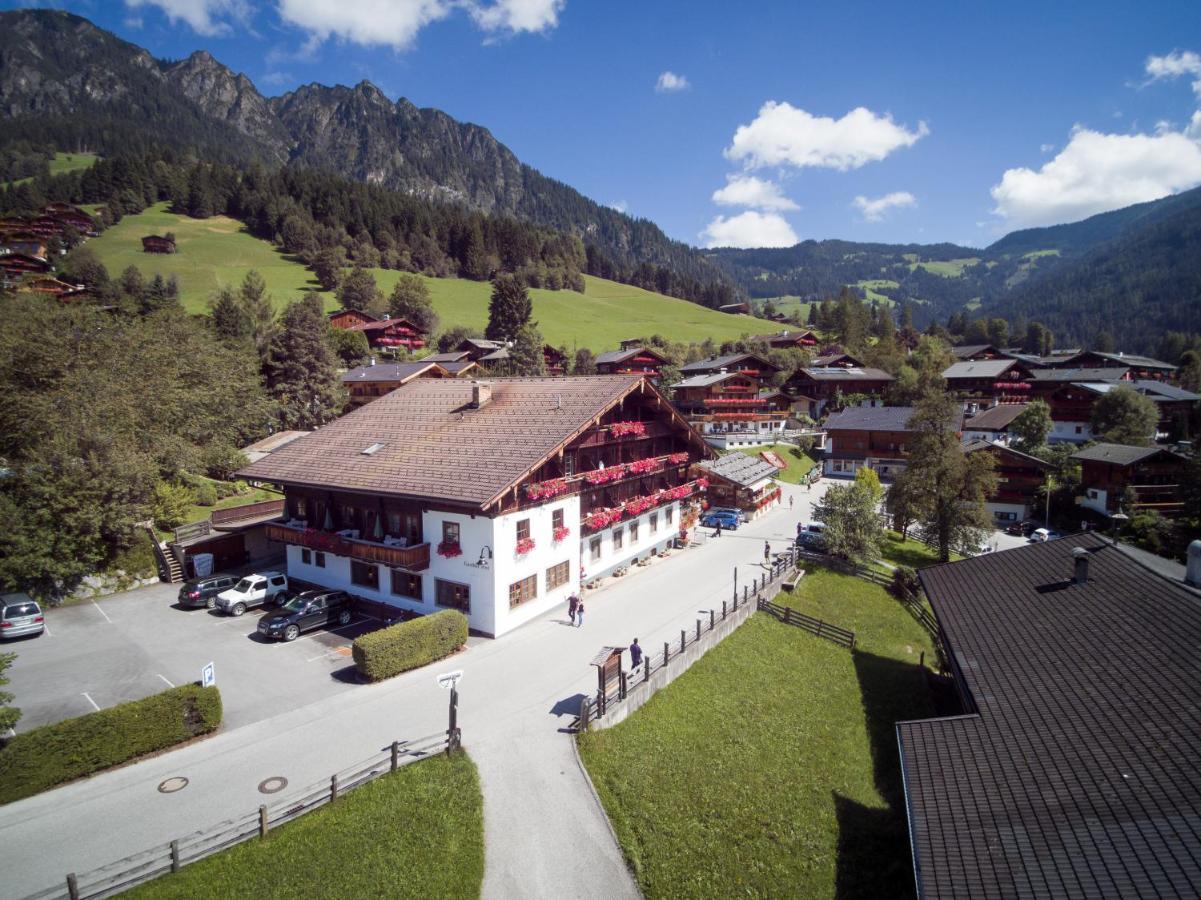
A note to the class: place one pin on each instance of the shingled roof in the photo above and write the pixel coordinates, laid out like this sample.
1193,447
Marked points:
435,445
978,368
1119,454
1076,771
740,468
402,372
995,418
870,418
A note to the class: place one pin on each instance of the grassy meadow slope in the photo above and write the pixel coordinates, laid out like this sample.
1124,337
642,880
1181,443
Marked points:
218,251
64,162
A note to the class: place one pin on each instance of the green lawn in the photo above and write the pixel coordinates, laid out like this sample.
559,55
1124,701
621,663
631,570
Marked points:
416,833
798,463
196,513
949,268
1035,254
871,289
770,767
211,253
909,552
64,162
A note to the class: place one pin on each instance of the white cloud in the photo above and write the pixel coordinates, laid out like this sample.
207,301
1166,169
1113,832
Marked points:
669,82
134,22
203,16
516,16
621,206
875,209
747,190
277,79
783,135
1045,148
1098,172
749,229
1174,65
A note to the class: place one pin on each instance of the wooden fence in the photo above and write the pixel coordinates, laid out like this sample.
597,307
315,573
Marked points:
163,859
247,511
789,616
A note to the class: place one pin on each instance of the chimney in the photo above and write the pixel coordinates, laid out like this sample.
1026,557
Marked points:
481,394
1192,575
1081,556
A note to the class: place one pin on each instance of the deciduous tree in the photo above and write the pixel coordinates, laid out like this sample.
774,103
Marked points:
357,290
1124,416
526,357
1032,426
410,299
853,530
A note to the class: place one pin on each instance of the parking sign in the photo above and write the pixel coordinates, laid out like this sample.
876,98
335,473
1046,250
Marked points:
208,676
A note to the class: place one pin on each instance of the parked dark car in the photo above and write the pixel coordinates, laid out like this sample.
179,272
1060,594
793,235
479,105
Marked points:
728,521
1022,529
306,611
204,591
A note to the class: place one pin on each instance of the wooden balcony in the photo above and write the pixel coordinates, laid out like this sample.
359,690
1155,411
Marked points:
415,559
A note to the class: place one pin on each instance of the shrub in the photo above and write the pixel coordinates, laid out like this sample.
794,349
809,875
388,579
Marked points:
44,757
206,494
137,559
398,648
171,502
904,583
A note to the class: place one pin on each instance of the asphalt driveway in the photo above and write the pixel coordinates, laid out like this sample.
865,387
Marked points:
127,646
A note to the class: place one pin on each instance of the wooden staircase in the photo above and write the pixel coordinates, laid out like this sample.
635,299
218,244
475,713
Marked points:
170,566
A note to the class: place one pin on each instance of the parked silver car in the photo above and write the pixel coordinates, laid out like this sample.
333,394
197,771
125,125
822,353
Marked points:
21,617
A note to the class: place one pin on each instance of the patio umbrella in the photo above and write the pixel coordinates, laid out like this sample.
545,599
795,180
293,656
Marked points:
378,531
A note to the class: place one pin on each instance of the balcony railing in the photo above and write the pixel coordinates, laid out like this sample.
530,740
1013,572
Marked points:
247,511
415,558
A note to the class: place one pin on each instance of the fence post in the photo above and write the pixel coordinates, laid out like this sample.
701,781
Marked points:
646,668
683,640
698,629
723,610
666,653
585,709
333,788
72,887
395,755
922,659
744,593
175,856
621,685
262,821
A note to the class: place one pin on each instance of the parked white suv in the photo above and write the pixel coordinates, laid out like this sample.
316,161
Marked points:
253,590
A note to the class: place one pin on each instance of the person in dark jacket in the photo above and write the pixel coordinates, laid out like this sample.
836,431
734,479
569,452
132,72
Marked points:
573,604
717,532
635,655
767,553
579,614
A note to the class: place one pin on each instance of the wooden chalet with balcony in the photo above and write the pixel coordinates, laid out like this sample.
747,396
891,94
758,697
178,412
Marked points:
984,382
749,364
1020,476
349,318
834,384
787,340
1139,367
391,334
374,380
27,243
16,266
1176,405
731,409
555,360
743,482
632,361
498,498
875,437
967,352
836,359
1151,475
70,216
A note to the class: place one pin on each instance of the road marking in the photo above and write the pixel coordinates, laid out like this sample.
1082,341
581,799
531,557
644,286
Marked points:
307,637
91,701
169,684
103,613
46,626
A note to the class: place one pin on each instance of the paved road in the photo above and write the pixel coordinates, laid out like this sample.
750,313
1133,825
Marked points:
546,836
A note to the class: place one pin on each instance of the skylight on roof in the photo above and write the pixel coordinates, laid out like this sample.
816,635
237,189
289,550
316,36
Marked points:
372,449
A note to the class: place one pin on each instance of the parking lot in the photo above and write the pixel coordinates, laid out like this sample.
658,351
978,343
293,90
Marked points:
98,654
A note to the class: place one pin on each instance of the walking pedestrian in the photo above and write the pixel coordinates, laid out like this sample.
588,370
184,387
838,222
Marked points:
717,530
766,552
579,614
635,655
790,499
573,605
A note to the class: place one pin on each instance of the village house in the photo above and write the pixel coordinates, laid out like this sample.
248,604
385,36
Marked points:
735,309
499,498
349,318
993,424
1069,768
1140,367
787,340
836,384
1151,474
982,383
740,481
457,363
965,352
27,243
1176,405
1019,478
391,334
53,287
71,216
366,383
16,266
631,361
874,437
836,359
1070,402
731,409
554,359
749,364
154,243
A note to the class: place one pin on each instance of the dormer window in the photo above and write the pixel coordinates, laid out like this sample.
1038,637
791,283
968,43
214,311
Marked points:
372,449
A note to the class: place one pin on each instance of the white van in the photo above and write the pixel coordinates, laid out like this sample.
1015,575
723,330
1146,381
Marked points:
1040,535
253,590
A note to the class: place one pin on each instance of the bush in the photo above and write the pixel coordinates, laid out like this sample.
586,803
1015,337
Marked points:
137,560
171,504
40,759
904,583
206,494
398,648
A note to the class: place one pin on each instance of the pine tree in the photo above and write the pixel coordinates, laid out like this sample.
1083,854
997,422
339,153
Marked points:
259,308
410,299
357,290
228,316
509,308
526,356
327,266
155,296
301,368
132,283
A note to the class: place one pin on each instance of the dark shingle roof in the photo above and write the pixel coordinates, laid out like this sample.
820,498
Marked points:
995,418
854,373
740,468
1118,454
618,356
870,418
705,380
729,361
1111,374
436,446
964,351
401,372
1077,771
978,368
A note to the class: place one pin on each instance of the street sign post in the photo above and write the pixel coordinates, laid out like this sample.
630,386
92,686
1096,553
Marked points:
208,676
450,679
454,736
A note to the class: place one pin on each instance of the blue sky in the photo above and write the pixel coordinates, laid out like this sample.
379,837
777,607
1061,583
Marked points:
876,122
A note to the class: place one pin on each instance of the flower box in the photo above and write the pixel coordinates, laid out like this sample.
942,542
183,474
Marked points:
449,550
562,533
644,466
677,459
627,429
601,476
543,490
524,546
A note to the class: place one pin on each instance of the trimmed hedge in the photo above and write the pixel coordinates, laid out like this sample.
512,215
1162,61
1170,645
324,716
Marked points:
44,757
409,645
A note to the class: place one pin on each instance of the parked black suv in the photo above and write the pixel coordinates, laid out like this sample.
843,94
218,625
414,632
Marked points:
311,609
204,591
